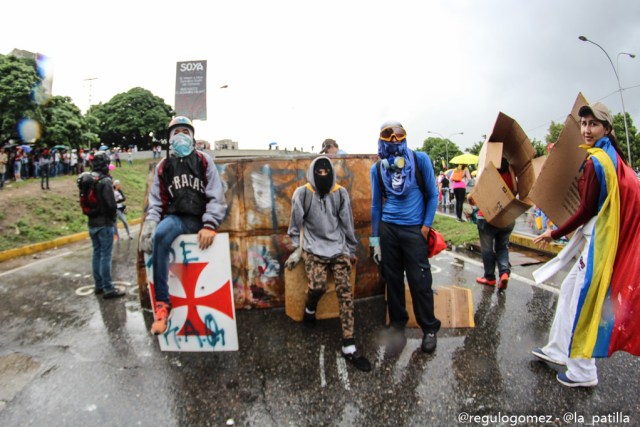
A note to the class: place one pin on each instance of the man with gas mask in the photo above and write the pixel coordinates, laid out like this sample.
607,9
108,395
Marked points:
321,212
400,230
186,197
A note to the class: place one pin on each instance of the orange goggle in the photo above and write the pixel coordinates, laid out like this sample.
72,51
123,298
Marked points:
388,132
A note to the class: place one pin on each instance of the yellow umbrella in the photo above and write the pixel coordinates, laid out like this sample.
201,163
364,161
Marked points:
465,159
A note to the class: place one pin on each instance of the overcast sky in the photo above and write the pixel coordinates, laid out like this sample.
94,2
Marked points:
300,71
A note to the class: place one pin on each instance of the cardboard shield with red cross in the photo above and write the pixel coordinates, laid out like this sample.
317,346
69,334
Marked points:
200,287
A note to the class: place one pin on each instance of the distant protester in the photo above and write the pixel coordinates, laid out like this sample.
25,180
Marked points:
330,147
121,208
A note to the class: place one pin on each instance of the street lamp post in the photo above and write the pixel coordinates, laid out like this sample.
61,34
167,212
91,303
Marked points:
446,142
615,71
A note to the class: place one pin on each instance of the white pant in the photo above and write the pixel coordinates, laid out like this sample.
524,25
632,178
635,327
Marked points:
580,370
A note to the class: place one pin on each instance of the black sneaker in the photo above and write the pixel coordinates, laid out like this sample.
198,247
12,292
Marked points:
429,343
115,293
96,291
358,360
309,319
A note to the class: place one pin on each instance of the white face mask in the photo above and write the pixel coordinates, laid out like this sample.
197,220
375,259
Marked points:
181,145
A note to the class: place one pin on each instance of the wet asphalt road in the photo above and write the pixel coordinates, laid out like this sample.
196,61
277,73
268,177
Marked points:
74,360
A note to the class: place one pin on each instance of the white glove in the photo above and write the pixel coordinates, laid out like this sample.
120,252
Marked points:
374,249
146,236
293,259
377,254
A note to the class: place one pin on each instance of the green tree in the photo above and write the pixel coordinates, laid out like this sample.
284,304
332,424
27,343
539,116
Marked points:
634,138
63,123
438,149
131,118
475,148
540,147
17,78
554,132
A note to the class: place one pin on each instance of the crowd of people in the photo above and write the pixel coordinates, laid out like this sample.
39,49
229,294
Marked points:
20,163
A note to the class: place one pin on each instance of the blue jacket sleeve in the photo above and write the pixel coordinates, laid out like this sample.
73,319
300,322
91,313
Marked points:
376,201
431,188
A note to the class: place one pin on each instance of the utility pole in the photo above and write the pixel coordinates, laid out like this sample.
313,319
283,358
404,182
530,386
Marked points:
90,80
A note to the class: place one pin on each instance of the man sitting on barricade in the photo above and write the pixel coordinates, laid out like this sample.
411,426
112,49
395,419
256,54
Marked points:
186,197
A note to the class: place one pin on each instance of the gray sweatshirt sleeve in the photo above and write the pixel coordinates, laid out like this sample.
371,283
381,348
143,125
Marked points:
346,222
216,203
297,216
154,212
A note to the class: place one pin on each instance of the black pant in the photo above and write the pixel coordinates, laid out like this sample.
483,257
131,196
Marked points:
460,194
44,175
405,249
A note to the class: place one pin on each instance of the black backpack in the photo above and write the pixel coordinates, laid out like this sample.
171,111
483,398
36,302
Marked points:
87,182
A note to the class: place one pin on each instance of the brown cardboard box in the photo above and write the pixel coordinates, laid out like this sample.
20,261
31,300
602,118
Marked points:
295,294
453,306
498,204
556,188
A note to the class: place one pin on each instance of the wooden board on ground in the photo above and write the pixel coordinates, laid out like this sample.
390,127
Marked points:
453,307
200,288
295,294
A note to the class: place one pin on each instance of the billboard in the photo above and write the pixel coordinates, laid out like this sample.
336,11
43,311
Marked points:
191,89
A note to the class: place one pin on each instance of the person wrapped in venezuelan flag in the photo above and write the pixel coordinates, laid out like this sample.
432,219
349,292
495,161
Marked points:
598,310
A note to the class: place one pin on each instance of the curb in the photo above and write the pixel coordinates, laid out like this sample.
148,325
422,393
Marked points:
527,242
43,246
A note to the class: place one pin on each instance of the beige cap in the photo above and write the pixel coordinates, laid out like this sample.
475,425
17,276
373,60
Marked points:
328,143
598,110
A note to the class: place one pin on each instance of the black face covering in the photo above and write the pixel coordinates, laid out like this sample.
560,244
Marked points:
323,182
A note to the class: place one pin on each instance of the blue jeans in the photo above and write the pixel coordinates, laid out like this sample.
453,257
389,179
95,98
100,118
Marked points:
102,240
404,248
494,244
166,232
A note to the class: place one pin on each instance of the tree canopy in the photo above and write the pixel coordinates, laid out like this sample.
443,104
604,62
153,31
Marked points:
18,77
439,150
136,117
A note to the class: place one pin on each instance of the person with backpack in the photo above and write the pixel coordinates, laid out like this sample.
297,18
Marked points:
186,197
404,198
99,204
460,176
322,208
121,208
443,186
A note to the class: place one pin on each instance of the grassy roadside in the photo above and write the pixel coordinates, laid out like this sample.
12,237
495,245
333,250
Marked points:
456,232
29,215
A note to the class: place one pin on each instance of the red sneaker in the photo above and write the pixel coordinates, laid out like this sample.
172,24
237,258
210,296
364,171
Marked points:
504,281
484,281
161,315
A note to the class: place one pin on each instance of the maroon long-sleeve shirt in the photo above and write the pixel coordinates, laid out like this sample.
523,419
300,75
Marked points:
589,189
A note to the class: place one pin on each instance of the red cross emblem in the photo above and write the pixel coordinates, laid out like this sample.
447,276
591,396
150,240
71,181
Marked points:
220,300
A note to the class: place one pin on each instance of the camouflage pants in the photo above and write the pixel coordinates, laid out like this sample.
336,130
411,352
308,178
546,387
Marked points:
316,268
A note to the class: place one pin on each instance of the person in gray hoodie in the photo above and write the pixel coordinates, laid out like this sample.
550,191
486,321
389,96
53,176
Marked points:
323,209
